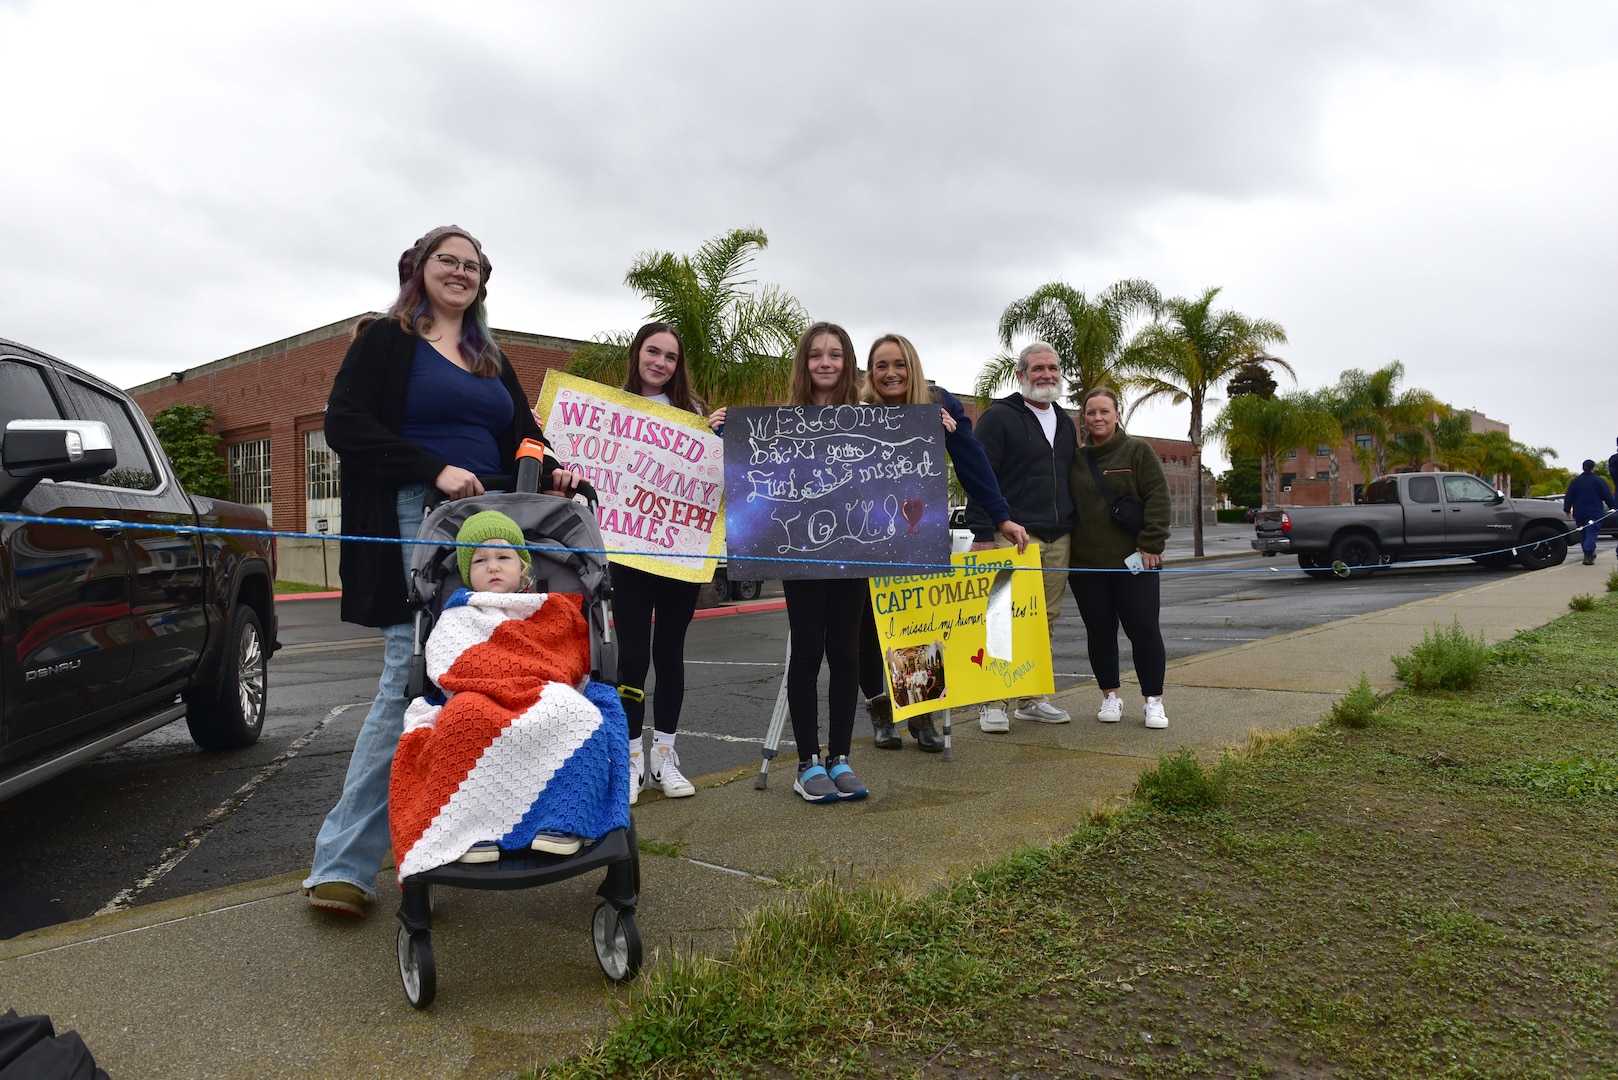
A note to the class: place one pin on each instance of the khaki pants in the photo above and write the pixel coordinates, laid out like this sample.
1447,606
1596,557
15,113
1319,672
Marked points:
1051,553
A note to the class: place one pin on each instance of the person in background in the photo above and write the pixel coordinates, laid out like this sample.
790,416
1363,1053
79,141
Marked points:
1587,501
893,376
652,612
823,614
1030,442
423,405
1108,594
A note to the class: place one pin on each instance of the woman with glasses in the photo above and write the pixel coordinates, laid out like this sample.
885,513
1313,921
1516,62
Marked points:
423,405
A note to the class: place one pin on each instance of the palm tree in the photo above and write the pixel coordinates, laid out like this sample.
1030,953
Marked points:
1086,333
738,343
1186,353
1375,406
1494,454
1267,428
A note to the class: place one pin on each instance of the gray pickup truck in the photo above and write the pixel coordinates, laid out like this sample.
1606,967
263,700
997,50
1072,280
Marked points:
1412,516
115,617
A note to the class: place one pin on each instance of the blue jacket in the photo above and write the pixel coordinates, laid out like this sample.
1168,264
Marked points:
971,463
1587,496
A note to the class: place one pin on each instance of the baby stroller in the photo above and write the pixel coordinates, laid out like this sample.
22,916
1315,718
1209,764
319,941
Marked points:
553,525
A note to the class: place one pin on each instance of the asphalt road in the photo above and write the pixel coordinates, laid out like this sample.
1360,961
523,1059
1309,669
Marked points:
159,818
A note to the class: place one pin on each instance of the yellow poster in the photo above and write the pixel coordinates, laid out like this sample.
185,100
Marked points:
658,471
975,634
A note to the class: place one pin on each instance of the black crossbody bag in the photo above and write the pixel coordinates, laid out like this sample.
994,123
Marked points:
1128,512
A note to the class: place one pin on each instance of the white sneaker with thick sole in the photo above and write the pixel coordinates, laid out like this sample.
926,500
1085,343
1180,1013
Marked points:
993,721
1043,712
1112,709
665,771
1155,716
637,775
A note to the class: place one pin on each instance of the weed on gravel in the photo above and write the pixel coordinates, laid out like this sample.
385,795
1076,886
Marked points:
1431,895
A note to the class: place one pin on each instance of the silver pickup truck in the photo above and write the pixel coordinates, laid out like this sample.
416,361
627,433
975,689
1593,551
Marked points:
1411,516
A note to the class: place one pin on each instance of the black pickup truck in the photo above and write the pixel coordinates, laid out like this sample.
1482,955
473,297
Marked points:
1410,516
108,631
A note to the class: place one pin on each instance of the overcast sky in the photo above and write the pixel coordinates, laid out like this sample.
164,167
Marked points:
1427,182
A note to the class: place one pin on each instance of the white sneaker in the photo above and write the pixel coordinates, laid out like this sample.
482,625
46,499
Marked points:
1042,711
993,721
637,775
1112,709
1155,716
666,771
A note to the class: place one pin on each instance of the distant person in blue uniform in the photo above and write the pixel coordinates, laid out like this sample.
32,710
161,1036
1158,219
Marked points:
1587,501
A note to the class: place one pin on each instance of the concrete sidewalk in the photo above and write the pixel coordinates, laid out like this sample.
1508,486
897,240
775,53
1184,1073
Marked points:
248,982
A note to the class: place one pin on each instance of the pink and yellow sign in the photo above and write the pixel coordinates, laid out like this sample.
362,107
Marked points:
659,471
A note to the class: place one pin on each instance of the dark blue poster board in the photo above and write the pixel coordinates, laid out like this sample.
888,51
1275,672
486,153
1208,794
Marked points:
824,489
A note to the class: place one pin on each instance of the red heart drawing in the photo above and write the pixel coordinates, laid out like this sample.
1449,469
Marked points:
978,658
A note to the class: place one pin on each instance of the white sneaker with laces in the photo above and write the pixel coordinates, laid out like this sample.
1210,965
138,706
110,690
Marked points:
993,721
1112,709
666,771
1155,716
637,775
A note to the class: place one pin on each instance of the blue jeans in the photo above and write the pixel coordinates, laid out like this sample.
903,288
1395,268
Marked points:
355,836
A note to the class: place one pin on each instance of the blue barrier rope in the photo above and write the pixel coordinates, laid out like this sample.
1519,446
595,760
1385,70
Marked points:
206,530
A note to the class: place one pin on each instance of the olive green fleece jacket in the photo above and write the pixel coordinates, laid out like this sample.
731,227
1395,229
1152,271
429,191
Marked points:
1130,467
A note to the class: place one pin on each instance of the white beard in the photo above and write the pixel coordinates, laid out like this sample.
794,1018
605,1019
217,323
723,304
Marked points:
1039,394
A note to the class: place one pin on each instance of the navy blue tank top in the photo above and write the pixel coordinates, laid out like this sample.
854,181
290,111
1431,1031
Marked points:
457,415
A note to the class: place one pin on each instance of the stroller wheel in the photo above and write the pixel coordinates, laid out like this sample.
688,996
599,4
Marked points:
416,967
617,942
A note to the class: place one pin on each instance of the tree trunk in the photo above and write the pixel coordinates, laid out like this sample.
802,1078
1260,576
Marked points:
1196,463
1336,472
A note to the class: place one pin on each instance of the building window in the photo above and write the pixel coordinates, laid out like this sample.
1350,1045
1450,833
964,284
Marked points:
1364,442
1322,450
250,473
323,488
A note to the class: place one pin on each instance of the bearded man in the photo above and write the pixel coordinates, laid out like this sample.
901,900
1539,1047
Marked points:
1031,442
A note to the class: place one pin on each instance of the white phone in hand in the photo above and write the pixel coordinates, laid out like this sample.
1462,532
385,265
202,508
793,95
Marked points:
1135,563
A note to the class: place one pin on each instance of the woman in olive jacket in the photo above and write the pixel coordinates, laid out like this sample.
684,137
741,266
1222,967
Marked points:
1108,594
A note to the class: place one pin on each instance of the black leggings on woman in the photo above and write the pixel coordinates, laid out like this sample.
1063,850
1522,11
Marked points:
824,616
1108,600
636,595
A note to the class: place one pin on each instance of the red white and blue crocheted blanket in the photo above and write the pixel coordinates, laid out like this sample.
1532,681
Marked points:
515,748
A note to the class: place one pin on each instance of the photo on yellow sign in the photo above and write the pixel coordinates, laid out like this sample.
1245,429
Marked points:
974,634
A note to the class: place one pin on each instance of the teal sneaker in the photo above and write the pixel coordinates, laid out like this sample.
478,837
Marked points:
848,785
813,783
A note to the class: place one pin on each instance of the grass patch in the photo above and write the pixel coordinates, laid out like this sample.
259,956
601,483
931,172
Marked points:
1179,783
1357,708
672,849
1448,658
1582,602
1612,580
288,587
1428,896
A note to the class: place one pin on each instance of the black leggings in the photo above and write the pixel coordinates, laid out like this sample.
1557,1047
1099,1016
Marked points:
824,616
873,677
636,595
1108,600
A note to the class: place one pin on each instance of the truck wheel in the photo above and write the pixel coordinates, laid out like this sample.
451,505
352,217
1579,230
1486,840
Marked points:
721,586
1541,547
1314,566
229,713
1358,553
747,590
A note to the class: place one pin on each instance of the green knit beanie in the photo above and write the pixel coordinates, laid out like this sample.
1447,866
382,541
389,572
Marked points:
488,525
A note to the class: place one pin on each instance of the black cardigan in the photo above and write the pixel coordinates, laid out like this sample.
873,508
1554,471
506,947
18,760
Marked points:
363,417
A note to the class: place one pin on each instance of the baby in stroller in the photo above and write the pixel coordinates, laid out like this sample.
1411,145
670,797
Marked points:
520,750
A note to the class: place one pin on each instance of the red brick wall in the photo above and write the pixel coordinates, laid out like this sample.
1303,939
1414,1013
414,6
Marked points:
279,391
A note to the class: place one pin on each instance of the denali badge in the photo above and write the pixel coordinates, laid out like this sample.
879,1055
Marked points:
52,669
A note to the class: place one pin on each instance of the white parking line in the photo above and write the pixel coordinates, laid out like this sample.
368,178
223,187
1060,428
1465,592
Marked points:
188,843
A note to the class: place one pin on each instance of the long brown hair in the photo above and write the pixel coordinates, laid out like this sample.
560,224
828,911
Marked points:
678,388
801,390
917,392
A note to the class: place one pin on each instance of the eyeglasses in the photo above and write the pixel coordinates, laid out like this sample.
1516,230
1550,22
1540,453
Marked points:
451,264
